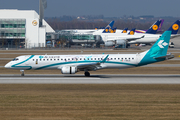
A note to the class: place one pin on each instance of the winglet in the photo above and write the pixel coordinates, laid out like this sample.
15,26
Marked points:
104,60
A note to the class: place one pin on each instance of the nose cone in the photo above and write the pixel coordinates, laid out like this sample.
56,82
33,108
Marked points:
8,65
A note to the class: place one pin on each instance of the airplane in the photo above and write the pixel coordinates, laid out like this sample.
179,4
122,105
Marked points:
132,31
138,38
157,24
125,30
71,64
90,31
159,28
118,38
152,38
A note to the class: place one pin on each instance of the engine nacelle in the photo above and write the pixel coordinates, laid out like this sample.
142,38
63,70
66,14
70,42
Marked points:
120,42
109,43
68,70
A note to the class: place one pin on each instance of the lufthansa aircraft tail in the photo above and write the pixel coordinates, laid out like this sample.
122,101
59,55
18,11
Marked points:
150,30
108,28
158,51
125,30
153,29
132,31
175,27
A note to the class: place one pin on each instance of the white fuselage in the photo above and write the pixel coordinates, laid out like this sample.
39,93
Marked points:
38,62
147,38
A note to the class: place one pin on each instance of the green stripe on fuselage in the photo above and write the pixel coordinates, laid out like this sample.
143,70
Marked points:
78,62
30,67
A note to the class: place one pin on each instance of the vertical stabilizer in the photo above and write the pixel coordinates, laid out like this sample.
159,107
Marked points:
153,29
158,51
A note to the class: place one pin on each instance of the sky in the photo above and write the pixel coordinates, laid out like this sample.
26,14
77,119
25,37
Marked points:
108,8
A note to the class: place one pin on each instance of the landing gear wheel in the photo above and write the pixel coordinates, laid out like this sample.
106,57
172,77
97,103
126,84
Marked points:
87,74
22,72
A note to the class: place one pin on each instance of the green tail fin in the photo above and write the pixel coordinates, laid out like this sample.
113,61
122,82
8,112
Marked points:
158,50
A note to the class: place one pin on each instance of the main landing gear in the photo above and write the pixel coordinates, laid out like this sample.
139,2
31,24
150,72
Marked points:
87,74
22,72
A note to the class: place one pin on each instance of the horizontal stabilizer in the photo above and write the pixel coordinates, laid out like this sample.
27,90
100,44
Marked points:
168,56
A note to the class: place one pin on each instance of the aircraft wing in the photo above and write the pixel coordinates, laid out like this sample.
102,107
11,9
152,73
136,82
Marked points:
174,36
126,38
92,65
89,66
168,56
131,39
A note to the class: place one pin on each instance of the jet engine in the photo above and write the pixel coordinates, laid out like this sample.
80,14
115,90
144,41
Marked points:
68,70
109,43
120,42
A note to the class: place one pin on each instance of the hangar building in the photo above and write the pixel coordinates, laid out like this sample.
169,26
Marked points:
20,28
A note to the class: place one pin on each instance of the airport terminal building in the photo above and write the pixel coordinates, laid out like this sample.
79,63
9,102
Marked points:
20,29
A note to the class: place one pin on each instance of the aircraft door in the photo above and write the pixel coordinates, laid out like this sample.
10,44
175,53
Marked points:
105,37
138,58
27,62
36,61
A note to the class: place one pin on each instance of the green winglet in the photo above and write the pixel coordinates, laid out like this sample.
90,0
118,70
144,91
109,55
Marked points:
104,60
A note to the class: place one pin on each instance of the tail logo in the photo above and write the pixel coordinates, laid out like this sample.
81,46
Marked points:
161,44
175,27
107,30
124,31
155,27
132,33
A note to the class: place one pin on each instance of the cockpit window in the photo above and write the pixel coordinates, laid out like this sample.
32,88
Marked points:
15,59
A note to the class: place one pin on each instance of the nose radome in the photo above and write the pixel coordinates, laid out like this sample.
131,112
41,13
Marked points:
7,65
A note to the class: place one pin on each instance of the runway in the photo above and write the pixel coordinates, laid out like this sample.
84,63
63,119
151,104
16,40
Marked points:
94,79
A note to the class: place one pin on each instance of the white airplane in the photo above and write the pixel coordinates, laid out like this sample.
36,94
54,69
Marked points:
138,38
152,38
70,64
87,31
121,37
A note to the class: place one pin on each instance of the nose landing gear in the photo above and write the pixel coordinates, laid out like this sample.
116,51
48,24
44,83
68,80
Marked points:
22,72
